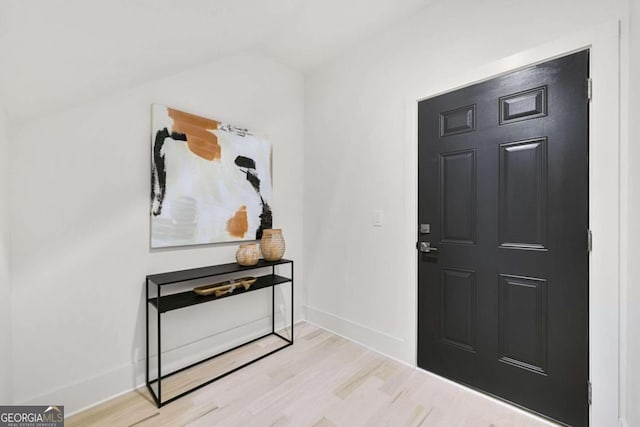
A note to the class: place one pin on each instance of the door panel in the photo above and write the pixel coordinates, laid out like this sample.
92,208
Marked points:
459,308
523,318
529,104
503,183
458,193
460,120
523,194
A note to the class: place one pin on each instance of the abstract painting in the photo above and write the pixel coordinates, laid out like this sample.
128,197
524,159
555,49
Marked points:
210,181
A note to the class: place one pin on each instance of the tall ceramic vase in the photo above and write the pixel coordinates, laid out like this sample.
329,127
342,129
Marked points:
272,244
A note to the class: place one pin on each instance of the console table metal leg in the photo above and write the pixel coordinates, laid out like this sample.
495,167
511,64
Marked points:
291,302
159,351
146,318
273,302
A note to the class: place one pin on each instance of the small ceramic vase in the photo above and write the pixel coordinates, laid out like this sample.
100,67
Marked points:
248,254
272,244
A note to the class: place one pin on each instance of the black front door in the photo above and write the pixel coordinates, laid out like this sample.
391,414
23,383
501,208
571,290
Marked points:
503,205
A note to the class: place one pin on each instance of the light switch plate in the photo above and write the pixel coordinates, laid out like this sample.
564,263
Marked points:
378,218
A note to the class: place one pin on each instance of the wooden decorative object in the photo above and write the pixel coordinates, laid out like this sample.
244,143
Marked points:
227,287
248,254
272,244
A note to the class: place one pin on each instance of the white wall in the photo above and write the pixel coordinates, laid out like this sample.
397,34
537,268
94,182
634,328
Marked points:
355,128
633,237
80,229
5,289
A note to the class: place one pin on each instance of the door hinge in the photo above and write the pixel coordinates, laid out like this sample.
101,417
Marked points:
589,393
589,89
589,241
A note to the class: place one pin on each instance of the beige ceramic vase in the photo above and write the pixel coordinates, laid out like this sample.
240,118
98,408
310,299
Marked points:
248,254
272,244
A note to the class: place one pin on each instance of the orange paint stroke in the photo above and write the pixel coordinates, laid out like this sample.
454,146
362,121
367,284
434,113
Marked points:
200,140
238,224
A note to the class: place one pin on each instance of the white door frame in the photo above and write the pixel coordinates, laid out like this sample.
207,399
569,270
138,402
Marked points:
604,194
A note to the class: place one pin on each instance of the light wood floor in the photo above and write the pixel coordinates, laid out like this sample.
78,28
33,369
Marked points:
322,380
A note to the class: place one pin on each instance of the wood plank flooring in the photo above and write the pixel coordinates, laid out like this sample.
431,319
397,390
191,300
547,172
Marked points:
323,380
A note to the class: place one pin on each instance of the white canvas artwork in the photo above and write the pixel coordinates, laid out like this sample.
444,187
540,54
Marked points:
211,182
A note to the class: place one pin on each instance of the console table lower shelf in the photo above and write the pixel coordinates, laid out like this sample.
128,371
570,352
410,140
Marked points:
169,302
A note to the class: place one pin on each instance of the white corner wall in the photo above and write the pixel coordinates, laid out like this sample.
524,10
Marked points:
5,288
80,230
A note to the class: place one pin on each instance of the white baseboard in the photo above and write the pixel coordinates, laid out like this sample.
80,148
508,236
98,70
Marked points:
381,342
375,350
77,396
81,395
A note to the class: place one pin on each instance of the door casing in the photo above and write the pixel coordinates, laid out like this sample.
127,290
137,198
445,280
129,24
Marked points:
604,195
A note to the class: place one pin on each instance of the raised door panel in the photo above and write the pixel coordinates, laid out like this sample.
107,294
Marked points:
529,104
523,322
523,195
458,197
458,308
460,120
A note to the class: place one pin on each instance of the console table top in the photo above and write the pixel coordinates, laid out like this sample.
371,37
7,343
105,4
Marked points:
214,270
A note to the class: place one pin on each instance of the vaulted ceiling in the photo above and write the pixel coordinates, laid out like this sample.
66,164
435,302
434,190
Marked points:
57,53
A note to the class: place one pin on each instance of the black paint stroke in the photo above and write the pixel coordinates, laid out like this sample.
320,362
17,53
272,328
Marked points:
242,132
248,167
245,162
250,170
266,219
158,168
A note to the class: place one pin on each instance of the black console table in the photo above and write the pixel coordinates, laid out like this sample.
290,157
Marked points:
175,301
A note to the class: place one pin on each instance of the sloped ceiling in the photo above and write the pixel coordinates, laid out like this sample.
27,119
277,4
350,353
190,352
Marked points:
58,53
